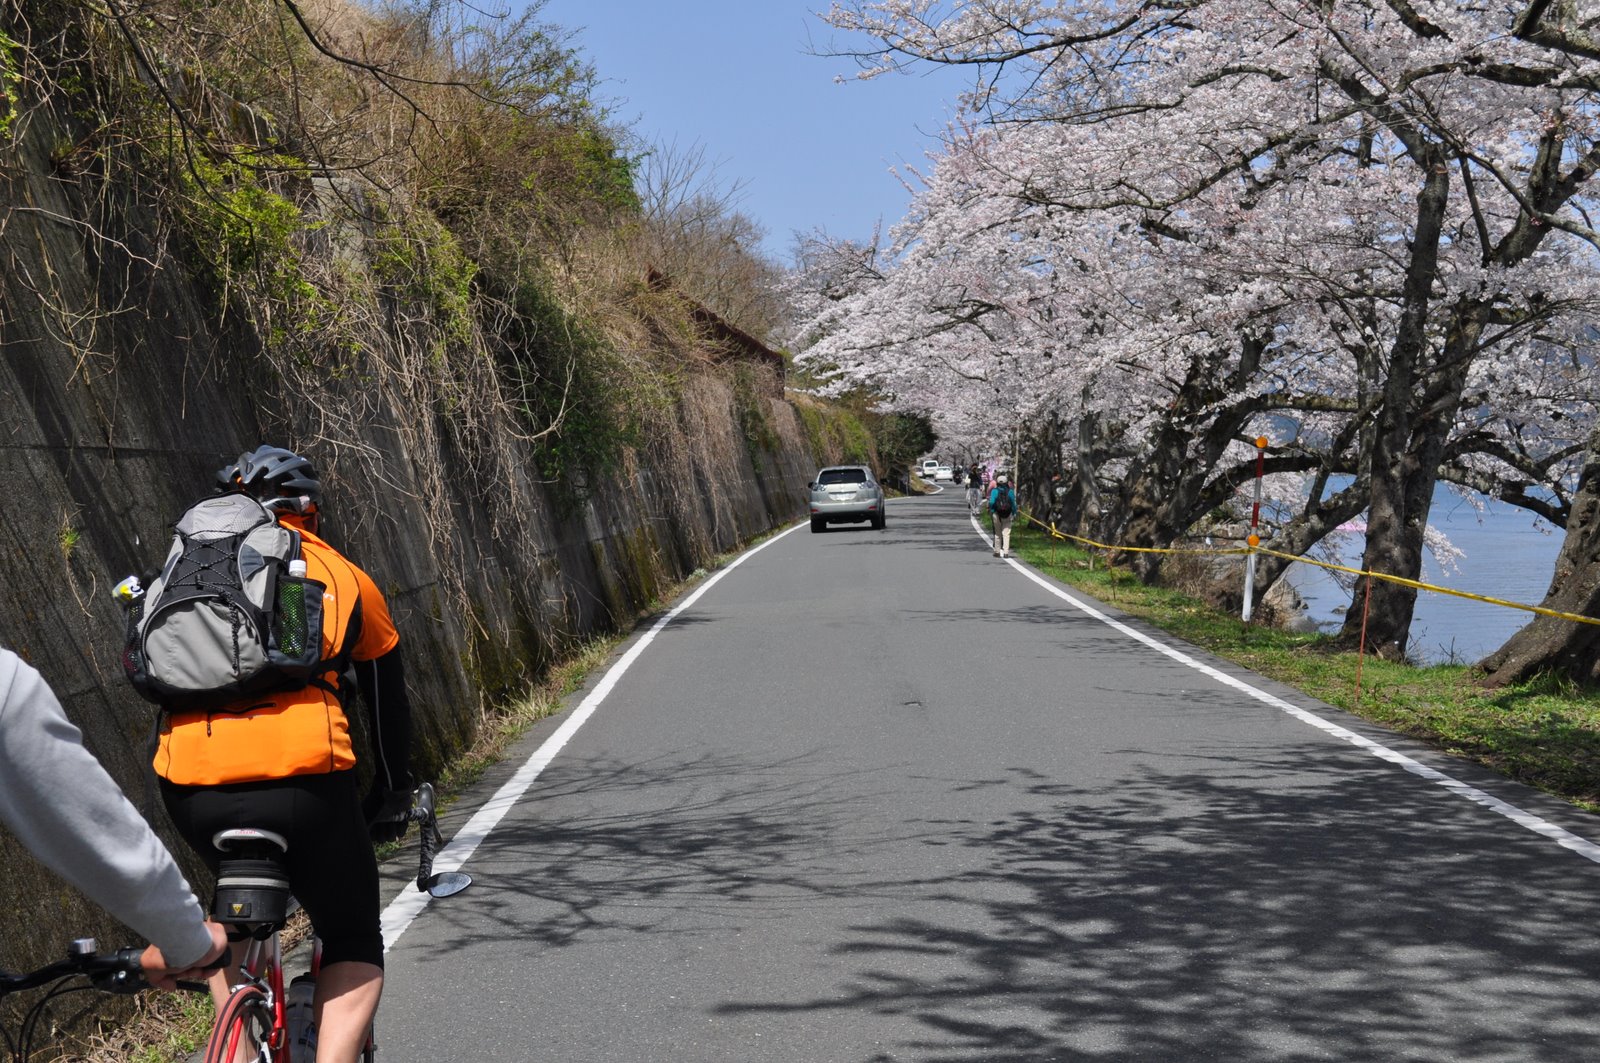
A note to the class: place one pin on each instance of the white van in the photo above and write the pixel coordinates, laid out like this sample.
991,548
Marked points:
928,468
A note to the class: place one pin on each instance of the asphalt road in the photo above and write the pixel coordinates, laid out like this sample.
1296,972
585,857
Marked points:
879,796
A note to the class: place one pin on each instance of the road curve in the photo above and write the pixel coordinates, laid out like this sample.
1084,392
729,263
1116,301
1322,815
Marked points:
877,796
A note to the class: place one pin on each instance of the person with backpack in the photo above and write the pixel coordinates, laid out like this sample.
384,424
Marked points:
62,805
1003,509
251,736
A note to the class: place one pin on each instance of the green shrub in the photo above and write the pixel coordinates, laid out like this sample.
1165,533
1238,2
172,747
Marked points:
10,84
245,232
755,419
574,394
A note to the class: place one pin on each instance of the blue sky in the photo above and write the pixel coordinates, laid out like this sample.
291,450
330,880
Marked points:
735,77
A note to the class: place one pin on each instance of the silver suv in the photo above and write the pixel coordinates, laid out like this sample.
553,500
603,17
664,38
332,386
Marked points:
845,494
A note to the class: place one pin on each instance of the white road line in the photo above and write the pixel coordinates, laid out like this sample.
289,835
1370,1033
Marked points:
406,907
1562,837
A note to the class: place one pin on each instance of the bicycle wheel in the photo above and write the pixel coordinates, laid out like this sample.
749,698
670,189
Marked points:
242,1029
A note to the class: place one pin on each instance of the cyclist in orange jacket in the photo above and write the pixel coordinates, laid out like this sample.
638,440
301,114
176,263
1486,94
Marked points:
284,762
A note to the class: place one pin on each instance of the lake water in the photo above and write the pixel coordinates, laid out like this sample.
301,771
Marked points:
1508,553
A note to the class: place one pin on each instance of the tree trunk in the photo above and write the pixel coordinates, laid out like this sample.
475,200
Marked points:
1040,466
1393,604
1563,646
1403,483
1083,510
1394,524
1165,494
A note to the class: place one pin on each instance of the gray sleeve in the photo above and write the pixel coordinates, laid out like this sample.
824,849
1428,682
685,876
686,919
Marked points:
63,806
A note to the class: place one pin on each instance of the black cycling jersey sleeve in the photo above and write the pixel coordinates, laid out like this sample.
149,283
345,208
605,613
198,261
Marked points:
383,689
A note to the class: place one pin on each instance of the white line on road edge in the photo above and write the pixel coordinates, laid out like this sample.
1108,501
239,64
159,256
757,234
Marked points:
406,907
1564,838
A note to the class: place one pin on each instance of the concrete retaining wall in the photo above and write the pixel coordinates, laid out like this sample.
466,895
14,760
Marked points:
120,394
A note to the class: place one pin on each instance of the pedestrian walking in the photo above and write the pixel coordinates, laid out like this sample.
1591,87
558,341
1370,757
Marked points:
1003,509
974,487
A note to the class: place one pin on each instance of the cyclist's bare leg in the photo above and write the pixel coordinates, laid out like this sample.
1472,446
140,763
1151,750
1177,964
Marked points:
222,982
225,978
347,999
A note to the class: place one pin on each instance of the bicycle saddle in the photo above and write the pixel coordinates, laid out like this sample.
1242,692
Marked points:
240,837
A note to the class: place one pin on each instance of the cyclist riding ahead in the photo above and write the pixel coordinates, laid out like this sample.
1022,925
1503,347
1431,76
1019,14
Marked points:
282,761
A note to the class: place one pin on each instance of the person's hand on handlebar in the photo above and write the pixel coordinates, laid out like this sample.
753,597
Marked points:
388,814
153,964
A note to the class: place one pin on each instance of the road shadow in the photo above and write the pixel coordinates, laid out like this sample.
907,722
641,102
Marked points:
925,524
1249,909
633,866
1183,917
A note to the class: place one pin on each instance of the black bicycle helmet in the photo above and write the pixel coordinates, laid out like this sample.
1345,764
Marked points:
279,478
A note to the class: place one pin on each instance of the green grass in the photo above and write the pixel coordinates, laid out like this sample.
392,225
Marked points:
1545,734
166,1027
510,721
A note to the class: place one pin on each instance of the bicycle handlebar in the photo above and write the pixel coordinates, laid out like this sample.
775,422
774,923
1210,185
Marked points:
423,802
111,972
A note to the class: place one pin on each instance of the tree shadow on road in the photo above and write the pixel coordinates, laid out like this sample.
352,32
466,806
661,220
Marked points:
1271,912
1189,918
672,830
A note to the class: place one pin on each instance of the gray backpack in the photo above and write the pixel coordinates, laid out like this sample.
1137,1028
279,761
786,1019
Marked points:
225,619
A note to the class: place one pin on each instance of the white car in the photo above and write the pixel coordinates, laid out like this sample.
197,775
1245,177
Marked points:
928,468
944,474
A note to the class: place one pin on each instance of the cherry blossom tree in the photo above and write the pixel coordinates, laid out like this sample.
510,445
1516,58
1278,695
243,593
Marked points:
1182,224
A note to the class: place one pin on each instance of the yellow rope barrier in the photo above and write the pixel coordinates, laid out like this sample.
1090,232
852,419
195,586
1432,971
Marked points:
1541,610
1403,581
1031,519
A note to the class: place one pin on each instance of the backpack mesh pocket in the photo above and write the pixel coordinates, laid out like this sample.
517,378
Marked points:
298,618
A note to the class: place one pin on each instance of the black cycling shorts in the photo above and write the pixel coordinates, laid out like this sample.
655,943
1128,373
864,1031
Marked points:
332,869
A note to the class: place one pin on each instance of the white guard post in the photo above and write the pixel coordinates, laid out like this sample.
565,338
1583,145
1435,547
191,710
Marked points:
1254,539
